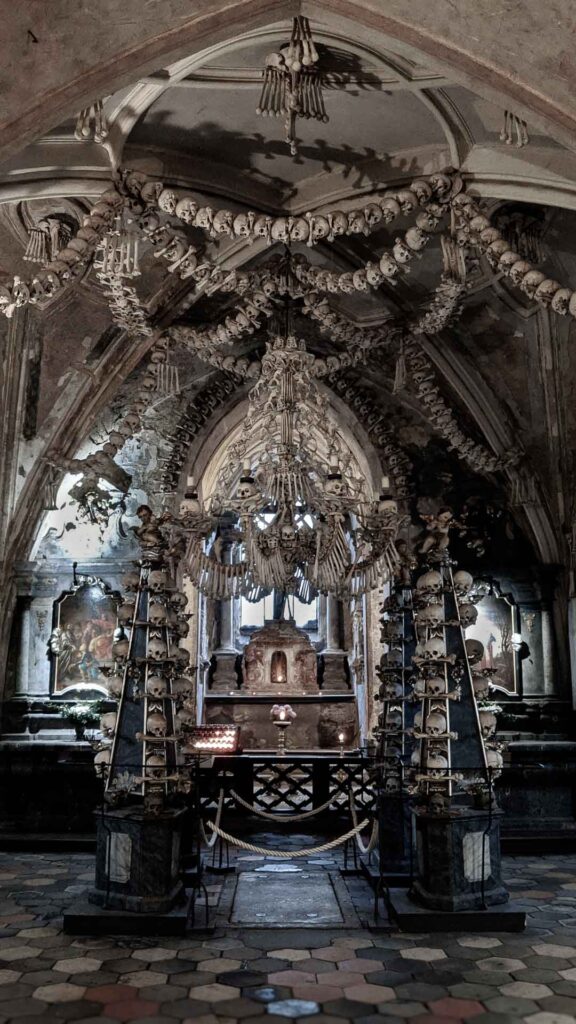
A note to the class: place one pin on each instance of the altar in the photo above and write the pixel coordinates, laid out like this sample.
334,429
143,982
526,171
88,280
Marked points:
281,666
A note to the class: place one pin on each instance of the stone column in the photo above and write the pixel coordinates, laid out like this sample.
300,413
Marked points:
548,659
333,643
334,679
23,667
224,679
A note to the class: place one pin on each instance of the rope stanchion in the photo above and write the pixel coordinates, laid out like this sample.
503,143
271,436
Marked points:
373,835
285,854
281,817
213,839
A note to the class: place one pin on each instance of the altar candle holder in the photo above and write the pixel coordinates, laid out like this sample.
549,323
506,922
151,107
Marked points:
341,738
282,716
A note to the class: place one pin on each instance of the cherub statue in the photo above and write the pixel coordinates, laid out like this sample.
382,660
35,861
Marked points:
438,526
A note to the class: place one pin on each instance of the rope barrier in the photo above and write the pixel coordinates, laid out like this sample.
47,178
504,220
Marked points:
284,854
210,842
373,835
281,816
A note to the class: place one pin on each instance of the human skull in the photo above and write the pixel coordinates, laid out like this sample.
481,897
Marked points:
319,229
181,656
530,282
204,217
392,659
120,647
178,599
407,199
157,650
481,686
430,616
263,227
546,291
126,612
102,760
430,582
357,223
436,686
390,209
391,784
518,271
437,803
474,651
495,250
182,687
487,723
168,200
184,720
108,723
372,215
394,720
561,301
490,235
374,275
436,724
156,765
299,230
338,222
468,614
507,260
463,582
280,231
436,763
494,760
157,580
479,223
114,684
156,724
360,280
155,686
388,266
186,209
416,239
157,613
402,254
223,222
421,190
434,648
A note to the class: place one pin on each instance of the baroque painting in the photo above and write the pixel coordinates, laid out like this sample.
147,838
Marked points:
494,628
82,635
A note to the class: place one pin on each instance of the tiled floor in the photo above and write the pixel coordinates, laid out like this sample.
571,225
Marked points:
326,976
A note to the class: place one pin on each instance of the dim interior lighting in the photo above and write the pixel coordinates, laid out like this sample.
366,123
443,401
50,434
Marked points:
214,738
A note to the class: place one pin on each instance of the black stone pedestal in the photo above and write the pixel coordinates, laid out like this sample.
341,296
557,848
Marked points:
138,861
458,860
409,917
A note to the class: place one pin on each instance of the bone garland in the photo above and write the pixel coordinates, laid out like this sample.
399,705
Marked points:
237,365
373,420
100,464
332,323
204,403
514,126
52,277
91,124
245,321
438,412
475,229
311,228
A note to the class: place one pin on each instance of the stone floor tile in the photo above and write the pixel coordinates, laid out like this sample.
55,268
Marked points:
340,979
345,1008
272,963
266,993
293,1008
77,965
366,993
16,1009
7,977
500,963
331,953
464,990
17,991
559,1004
421,990
460,1009
162,993
242,979
110,993
154,955
240,1007
479,942
181,1009
526,990
554,950
12,953
545,1017
214,993
138,979
220,965
131,1009
319,993
508,1004
425,953
292,954
385,977
194,978
62,992
552,963
291,977
354,943
357,965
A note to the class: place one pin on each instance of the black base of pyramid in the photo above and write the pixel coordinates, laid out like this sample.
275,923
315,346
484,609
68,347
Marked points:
409,917
88,919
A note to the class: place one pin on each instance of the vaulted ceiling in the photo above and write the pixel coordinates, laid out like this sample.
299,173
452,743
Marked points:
407,93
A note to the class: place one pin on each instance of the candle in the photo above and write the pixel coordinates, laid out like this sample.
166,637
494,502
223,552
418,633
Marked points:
385,483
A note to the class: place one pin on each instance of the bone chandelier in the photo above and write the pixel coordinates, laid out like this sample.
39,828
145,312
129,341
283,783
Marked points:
299,519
